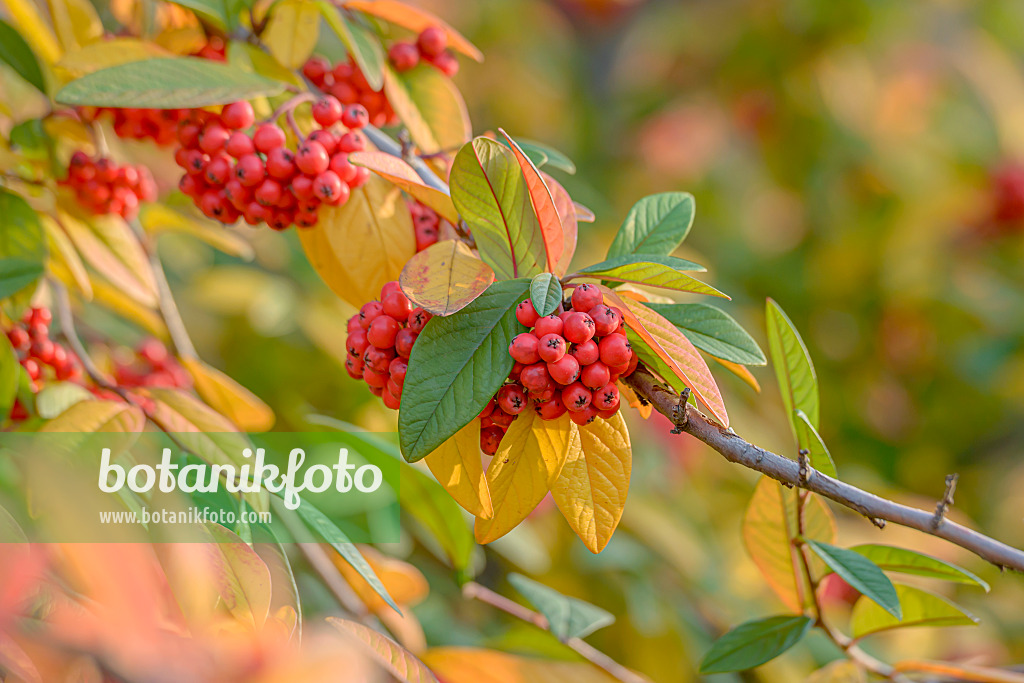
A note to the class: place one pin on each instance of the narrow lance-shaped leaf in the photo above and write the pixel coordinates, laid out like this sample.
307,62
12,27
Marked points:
22,244
10,370
360,42
861,573
398,661
551,156
793,366
807,438
445,277
713,331
907,561
920,608
430,107
567,617
545,293
664,272
291,33
754,643
18,55
543,204
657,224
568,212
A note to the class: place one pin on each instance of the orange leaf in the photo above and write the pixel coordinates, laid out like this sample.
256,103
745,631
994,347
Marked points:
415,19
568,212
404,583
402,174
543,204
644,408
398,661
675,350
472,665
228,397
740,371
445,277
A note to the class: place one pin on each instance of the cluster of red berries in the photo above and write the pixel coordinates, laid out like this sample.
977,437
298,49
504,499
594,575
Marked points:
158,125
346,82
215,49
430,47
1008,197
103,187
149,365
380,340
427,224
232,173
41,357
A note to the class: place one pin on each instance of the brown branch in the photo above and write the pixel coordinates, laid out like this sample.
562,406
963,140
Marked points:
688,419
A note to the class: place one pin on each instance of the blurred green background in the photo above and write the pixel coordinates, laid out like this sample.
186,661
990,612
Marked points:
846,159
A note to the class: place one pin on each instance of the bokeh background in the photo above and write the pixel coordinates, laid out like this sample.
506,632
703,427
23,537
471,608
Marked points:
856,161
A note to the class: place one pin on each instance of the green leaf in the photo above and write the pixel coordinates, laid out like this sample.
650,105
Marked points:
567,617
321,523
907,561
361,43
545,155
545,293
55,398
10,370
807,437
793,367
657,224
861,573
754,643
457,364
430,107
22,244
652,271
920,608
488,189
714,331
19,56
167,83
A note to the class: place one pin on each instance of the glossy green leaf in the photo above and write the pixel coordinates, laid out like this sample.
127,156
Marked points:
22,244
754,643
489,191
861,573
167,83
10,370
16,53
793,367
361,43
920,608
907,561
652,270
657,224
457,364
714,331
544,155
567,617
545,293
807,438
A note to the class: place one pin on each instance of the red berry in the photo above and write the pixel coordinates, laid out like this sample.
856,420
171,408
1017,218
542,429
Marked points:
432,41
535,377
517,368
390,287
551,348
511,399
280,163
312,158
195,162
523,348
606,397
18,338
343,167
501,418
579,328
188,135
378,359
239,144
615,350
354,367
355,116
526,314
634,360
362,174
606,319
374,379
316,68
418,319
328,187
390,400
305,219
396,304
269,192
238,115
565,371
576,397
327,111
368,312
357,343
550,324
551,409
584,416
595,375
490,437
404,342
327,139
585,353
250,171
383,331
268,137
351,142
213,138
586,297
218,170
403,56
398,369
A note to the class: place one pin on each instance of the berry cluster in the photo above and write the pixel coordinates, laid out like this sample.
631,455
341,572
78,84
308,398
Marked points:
1008,197
37,352
149,365
103,187
158,125
430,47
427,223
346,82
380,340
236,169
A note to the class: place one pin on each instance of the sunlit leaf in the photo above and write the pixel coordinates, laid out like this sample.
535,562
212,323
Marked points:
64,255
908,561
861,573
547,155
839,671
567,617
714,331
545,293
754,643
75,21
104,54
527,463
404,583
10,370
200,429
445,277
543,204
471,665
34,29
22,244
291,32
416,20
109,246
740,371
17,54
793,366
229,398
649,270
159,218
398,661
243,578
591,489
360,43
98,416
403,175
657,224
457,466
807,438
920,608
430,107
55,398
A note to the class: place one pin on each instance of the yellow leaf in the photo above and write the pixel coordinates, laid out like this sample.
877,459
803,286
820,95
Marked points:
430,106
521,473
100,55
242,577
626,393
457,466
113,298
181,40
34,29
76,22
398,661
229,398
415,19
157,219
358,247
404,583
64,251
769,527
591,490
839,671
445,277
98,416
403,175
109,246
740,371
292,31
472,665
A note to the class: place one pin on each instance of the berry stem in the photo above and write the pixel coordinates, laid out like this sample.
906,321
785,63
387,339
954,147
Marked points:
288,108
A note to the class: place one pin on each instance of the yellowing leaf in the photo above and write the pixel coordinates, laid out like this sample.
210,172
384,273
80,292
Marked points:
358,247
471,665
430,106
98,416
404,583
769,527
292,31
34,29
414,19
116,300
543,204
740,371
76,22
403,175
241,575
591,490
919,607
629,396
457,466
64,251
839,671
100,55
521,473
158,218
229,398
398,661
109,246
445,277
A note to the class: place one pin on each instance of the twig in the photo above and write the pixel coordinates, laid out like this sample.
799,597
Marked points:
590,653
784,470
385,143
947,500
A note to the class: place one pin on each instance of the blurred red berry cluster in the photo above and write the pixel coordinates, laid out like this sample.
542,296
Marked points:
237,169
430,47
42,358
103,187
427,224
158,125
347,83
149,365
